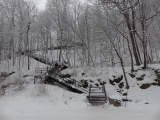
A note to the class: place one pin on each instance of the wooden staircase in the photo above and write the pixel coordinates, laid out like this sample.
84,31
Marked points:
97,95
75,87
41,59
52,75
67,83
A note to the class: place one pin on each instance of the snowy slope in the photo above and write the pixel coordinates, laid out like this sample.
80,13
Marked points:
49,102
60,104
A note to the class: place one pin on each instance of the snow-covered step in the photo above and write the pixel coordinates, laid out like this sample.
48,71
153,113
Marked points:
74,87
97,95
71,86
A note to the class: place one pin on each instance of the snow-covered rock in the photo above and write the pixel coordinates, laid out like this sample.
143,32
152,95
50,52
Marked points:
115,100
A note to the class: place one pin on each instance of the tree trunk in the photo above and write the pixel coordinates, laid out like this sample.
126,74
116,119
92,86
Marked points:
28,27
132,63
61,38
132,39
122,65
145,56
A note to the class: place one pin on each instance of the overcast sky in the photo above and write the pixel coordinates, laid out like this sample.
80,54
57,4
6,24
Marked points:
41,4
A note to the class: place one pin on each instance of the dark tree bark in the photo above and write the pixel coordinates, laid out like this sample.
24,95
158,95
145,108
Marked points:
132,37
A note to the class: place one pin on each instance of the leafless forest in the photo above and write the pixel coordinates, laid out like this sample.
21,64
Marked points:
97,32
80,59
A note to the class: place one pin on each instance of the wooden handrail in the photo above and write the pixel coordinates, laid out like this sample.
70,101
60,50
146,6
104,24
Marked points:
76,83
105,92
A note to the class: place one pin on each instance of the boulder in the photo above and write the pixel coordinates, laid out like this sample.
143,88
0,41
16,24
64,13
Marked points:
145,86
140,78
121,85
83,74
154,84
115,100
111,82
116,80
85,83
157,82
119,79
97,85
102,83
157,71
132,75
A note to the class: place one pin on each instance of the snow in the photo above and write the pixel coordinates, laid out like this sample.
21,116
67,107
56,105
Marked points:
66,105
48,102
155,66
116,97
24,106
84,114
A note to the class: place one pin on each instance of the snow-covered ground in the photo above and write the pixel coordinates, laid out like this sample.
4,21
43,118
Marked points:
49,102
60,104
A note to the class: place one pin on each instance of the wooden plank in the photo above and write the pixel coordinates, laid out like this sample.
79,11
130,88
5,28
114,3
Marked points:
97,95
97,102
41,70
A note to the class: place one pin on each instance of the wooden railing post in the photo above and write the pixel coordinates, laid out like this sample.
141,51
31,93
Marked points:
105,92
89,93
75,83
